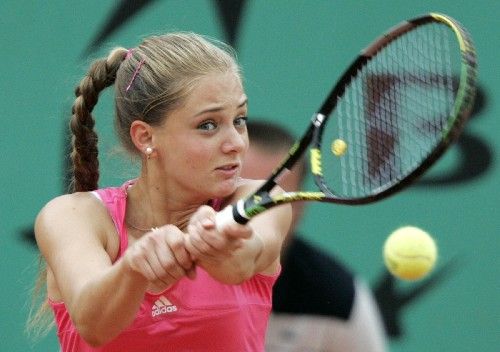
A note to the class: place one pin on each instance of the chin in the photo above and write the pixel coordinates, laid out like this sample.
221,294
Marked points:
228,187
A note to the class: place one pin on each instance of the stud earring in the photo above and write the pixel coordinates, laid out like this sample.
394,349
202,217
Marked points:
148,152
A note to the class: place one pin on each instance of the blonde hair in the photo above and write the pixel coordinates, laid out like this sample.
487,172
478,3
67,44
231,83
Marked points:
150,81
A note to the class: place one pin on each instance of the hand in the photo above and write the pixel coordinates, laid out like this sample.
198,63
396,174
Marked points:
205,242
161,256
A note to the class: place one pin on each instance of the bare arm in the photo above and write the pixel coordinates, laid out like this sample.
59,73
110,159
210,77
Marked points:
242,250
102,297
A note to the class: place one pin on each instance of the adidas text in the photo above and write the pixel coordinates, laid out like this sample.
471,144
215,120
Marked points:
163,310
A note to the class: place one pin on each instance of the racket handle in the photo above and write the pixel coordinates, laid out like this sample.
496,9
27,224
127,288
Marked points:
229,216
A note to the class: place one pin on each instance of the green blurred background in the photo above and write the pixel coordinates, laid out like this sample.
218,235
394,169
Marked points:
291,52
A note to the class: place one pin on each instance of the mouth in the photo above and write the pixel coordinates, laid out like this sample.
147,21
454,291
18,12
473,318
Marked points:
229,169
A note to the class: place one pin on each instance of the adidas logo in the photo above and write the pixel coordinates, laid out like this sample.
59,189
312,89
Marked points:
162,306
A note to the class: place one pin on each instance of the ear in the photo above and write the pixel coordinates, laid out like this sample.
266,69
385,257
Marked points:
141,134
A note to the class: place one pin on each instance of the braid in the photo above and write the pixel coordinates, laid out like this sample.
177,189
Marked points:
84,154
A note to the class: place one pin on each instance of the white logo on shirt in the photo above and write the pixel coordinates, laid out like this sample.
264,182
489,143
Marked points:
162,306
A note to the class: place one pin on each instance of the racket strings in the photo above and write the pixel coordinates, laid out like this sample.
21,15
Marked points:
393,113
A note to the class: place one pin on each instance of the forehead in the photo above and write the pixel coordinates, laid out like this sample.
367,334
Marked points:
217,88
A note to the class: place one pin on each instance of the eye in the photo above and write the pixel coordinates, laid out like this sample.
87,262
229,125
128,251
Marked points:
240,121
207,126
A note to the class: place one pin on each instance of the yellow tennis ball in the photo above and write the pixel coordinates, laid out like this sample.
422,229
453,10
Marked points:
339,147
410,253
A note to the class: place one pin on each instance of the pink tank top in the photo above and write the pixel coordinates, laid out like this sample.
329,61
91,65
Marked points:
192,315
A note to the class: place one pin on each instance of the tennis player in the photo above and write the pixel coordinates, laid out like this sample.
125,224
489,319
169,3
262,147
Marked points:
141,266
318,304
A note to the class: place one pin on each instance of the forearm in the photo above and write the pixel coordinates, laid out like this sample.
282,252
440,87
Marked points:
105,306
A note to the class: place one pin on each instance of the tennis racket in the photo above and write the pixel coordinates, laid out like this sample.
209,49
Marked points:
396,109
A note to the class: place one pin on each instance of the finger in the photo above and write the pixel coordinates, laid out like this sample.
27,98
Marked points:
178,248
169,249
208,223
167,266
198,246
164,267
203,213
194,253
238,231
138,261
157,258
218,241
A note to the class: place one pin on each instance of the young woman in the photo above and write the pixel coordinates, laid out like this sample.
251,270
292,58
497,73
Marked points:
142,267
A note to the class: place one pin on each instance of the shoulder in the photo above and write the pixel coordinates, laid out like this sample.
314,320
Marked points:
70,203
67,213
244,188
247,186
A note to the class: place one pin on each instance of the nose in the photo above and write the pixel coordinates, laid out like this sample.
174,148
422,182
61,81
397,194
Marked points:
235,141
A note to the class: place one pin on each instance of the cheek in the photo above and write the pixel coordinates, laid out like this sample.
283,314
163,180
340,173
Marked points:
197,156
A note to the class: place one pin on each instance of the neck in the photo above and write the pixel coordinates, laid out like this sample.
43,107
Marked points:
148,207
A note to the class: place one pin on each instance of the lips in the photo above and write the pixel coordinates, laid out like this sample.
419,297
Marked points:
229,169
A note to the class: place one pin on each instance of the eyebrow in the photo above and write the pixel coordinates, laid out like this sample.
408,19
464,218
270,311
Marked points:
219,108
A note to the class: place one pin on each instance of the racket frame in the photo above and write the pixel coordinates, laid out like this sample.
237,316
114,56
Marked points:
261,199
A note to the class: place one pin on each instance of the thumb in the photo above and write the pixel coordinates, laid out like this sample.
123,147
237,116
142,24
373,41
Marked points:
237,231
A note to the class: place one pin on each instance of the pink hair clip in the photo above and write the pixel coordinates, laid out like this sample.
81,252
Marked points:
136,72
129,53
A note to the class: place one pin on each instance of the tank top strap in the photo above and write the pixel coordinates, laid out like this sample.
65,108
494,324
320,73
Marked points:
115,200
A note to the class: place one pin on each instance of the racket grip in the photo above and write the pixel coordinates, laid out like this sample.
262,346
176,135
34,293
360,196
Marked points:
224,218
227,217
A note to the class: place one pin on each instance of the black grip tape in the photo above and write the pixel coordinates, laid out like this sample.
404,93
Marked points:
237,217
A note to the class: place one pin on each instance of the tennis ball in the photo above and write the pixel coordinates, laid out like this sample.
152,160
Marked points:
339,147
410,253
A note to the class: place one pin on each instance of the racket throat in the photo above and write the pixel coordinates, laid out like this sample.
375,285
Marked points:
317,119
